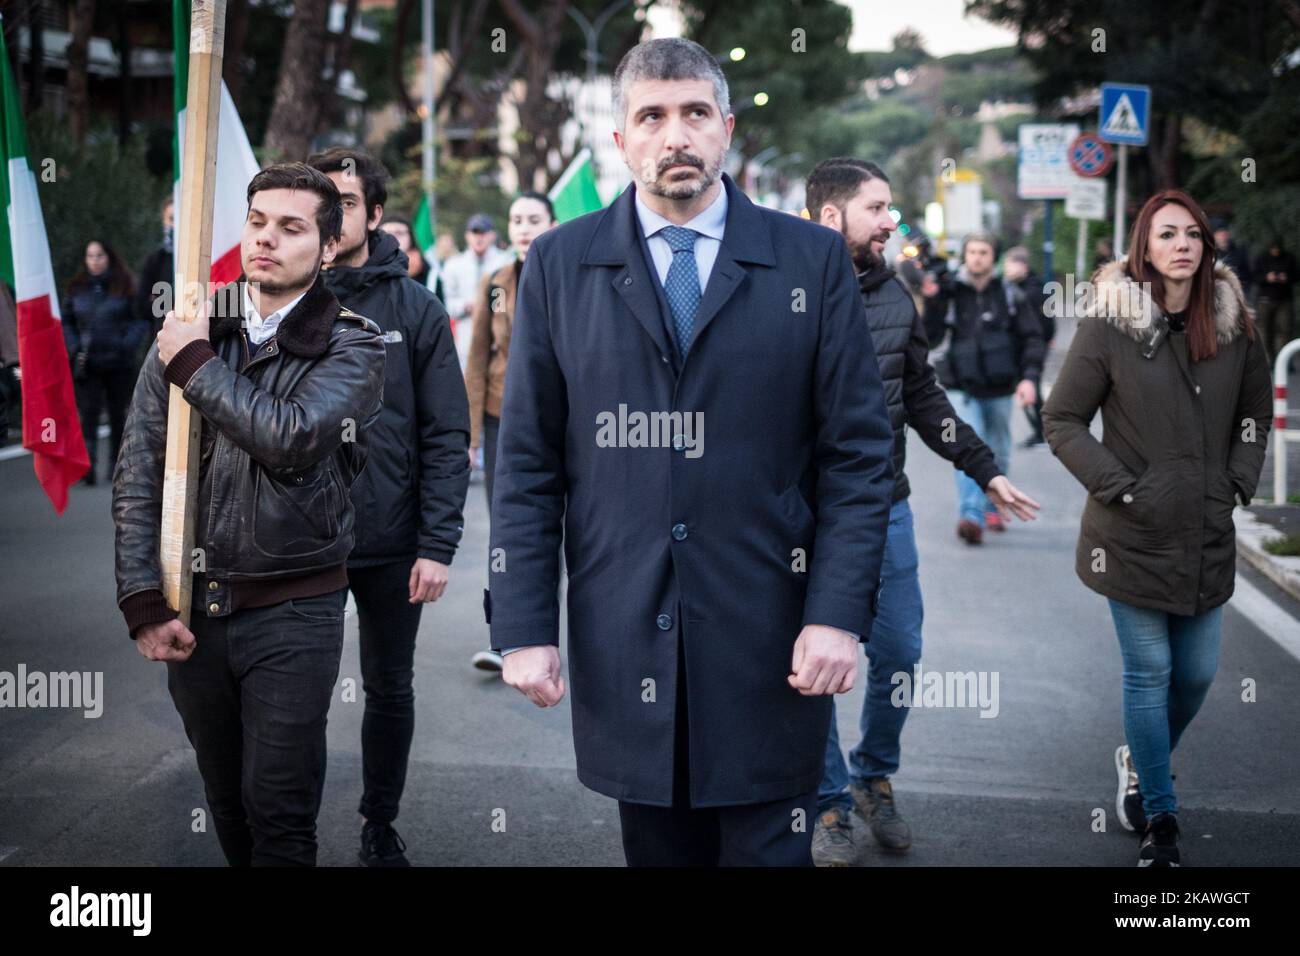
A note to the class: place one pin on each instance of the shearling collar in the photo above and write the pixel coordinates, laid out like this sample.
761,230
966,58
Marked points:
1122,302
305,331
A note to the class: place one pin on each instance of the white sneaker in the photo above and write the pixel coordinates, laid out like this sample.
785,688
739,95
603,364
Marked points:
491,661
1128,799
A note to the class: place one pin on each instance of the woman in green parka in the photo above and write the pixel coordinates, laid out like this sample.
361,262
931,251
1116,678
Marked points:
1167,349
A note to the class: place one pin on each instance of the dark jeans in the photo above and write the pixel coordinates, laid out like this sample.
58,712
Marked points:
1274,316
491,428
388,622
254,697
776,833
894,648
99,387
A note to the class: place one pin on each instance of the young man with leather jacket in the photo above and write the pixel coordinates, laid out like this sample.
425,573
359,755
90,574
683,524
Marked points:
287,382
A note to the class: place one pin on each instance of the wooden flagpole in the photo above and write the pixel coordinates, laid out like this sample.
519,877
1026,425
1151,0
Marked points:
193,270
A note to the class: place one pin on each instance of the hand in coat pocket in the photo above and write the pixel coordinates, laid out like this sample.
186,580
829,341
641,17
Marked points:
535,673
825,661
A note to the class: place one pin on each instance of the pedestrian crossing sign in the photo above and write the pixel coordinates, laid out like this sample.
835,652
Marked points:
1125,113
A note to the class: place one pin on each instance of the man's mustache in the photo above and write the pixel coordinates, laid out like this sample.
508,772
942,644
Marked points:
680,159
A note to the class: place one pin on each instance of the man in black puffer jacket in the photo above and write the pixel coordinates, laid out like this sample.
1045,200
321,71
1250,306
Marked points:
409,500
853,196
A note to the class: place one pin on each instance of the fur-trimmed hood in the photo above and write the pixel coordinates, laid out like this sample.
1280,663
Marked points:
1125,304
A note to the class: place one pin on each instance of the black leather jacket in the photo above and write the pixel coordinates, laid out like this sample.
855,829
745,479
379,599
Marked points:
284,435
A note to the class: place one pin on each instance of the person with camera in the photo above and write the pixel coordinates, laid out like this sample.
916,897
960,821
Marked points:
994,350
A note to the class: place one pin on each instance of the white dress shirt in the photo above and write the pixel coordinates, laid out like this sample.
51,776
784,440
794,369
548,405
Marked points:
710,224
261,329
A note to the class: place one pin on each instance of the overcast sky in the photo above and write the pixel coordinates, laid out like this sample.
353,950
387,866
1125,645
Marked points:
875,22
940,23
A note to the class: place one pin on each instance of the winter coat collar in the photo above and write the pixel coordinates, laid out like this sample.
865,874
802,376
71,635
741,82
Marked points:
615,239
385,262
1122,302
305,331
874,277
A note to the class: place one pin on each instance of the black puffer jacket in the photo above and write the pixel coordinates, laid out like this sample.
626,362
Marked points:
103,324
284,435
410,498
912,393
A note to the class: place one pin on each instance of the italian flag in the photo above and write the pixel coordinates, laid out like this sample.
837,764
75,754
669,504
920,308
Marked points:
236,164
51,427
574,193
422,230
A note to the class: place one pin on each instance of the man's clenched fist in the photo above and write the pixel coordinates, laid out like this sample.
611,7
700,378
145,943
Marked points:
825,661
168,641
535,673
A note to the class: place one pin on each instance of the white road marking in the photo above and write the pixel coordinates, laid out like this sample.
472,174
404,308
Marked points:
1266,615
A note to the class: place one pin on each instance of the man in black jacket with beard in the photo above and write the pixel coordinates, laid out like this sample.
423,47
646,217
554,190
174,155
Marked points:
853,196
410,498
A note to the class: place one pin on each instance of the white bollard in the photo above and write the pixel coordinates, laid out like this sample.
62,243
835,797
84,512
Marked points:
1279,420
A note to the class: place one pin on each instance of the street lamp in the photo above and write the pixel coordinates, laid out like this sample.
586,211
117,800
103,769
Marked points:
591,30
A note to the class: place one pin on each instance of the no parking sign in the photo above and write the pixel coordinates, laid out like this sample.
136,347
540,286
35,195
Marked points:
1090,155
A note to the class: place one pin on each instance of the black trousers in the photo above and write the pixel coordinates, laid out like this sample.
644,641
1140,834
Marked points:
388,623
254,697
777,833
100,387
491,429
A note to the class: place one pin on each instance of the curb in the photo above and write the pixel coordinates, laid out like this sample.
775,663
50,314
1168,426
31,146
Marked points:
1251,535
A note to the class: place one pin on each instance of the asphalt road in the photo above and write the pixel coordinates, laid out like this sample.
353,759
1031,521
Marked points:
1019,788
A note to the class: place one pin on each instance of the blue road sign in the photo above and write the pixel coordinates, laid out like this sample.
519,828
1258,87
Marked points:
1125,113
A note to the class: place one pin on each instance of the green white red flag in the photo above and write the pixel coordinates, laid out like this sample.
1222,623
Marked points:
51,426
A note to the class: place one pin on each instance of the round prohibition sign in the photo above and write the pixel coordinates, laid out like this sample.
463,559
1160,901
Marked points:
1089,155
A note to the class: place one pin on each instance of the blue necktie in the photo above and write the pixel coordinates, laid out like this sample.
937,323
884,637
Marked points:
682,286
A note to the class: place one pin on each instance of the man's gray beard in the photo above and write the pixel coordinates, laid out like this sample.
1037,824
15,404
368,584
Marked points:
680,192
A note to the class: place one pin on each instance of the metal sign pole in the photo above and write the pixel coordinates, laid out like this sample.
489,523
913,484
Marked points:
1121,189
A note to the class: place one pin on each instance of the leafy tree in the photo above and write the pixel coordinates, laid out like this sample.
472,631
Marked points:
796,52
1218,60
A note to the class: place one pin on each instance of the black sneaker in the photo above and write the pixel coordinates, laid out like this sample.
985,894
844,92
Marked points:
1160,843
832,843
876,804
381,846
1128,798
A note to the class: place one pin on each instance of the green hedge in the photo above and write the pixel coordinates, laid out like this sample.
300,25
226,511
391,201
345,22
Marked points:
100,189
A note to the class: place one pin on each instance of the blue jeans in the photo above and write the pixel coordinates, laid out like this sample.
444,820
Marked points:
991,420
894,645
1169,664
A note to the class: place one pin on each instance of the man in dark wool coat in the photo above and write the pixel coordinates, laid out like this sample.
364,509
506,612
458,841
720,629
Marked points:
694,406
